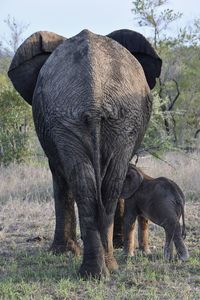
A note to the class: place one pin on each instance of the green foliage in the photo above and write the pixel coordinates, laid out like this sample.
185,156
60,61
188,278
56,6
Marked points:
156,138
15,124
151,13
177,121
4,63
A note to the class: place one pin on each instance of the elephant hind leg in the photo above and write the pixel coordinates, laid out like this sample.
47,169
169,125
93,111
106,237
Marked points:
168,248
65,227
169,226
83,185
174,234
93,264
181,249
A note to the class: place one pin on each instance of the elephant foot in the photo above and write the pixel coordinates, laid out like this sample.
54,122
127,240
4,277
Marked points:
74,247
168,256
130,253
111,264
70,245
145,251
93,270
183,256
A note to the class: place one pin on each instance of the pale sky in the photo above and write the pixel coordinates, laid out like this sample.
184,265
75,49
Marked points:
69,17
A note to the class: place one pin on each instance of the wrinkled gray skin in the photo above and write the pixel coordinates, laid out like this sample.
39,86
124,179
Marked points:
91,106
159,200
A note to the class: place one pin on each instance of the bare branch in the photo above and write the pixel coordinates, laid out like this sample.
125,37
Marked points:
196,133
169,108
17,30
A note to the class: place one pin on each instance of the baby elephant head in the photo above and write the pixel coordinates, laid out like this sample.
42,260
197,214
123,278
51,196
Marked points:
132,182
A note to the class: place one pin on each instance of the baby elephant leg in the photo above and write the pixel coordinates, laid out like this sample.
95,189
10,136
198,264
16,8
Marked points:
143,235
168,248
129,234
174,234
181,249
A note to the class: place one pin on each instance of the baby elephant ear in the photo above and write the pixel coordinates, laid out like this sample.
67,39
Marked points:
138,45
29,59
132,182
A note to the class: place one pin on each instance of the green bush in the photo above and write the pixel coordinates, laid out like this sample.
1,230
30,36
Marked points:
16,125
156,139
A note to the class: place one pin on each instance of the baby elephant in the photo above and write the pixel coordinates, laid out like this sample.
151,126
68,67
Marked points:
159,200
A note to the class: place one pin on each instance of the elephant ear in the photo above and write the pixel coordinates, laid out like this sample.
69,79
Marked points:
28,60
132,182
138,45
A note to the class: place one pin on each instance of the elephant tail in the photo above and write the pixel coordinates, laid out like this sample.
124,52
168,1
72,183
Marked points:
180,200
183,218
96,134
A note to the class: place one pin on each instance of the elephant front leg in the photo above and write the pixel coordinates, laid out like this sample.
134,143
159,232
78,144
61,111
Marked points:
65,227
143,235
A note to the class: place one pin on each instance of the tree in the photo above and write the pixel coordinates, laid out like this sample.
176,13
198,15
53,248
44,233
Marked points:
156,139
152,13
15,118
149,13
17,30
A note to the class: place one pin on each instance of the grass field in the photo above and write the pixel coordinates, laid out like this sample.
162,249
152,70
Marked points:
29,271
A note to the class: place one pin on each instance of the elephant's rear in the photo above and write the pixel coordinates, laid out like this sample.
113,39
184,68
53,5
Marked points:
91,81
92,73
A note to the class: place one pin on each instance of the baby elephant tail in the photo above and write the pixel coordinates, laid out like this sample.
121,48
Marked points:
183,218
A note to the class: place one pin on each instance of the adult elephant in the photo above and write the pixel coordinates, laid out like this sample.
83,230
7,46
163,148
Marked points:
91,104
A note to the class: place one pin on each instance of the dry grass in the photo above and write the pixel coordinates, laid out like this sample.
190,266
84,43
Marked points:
25,183
29,271
184,169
